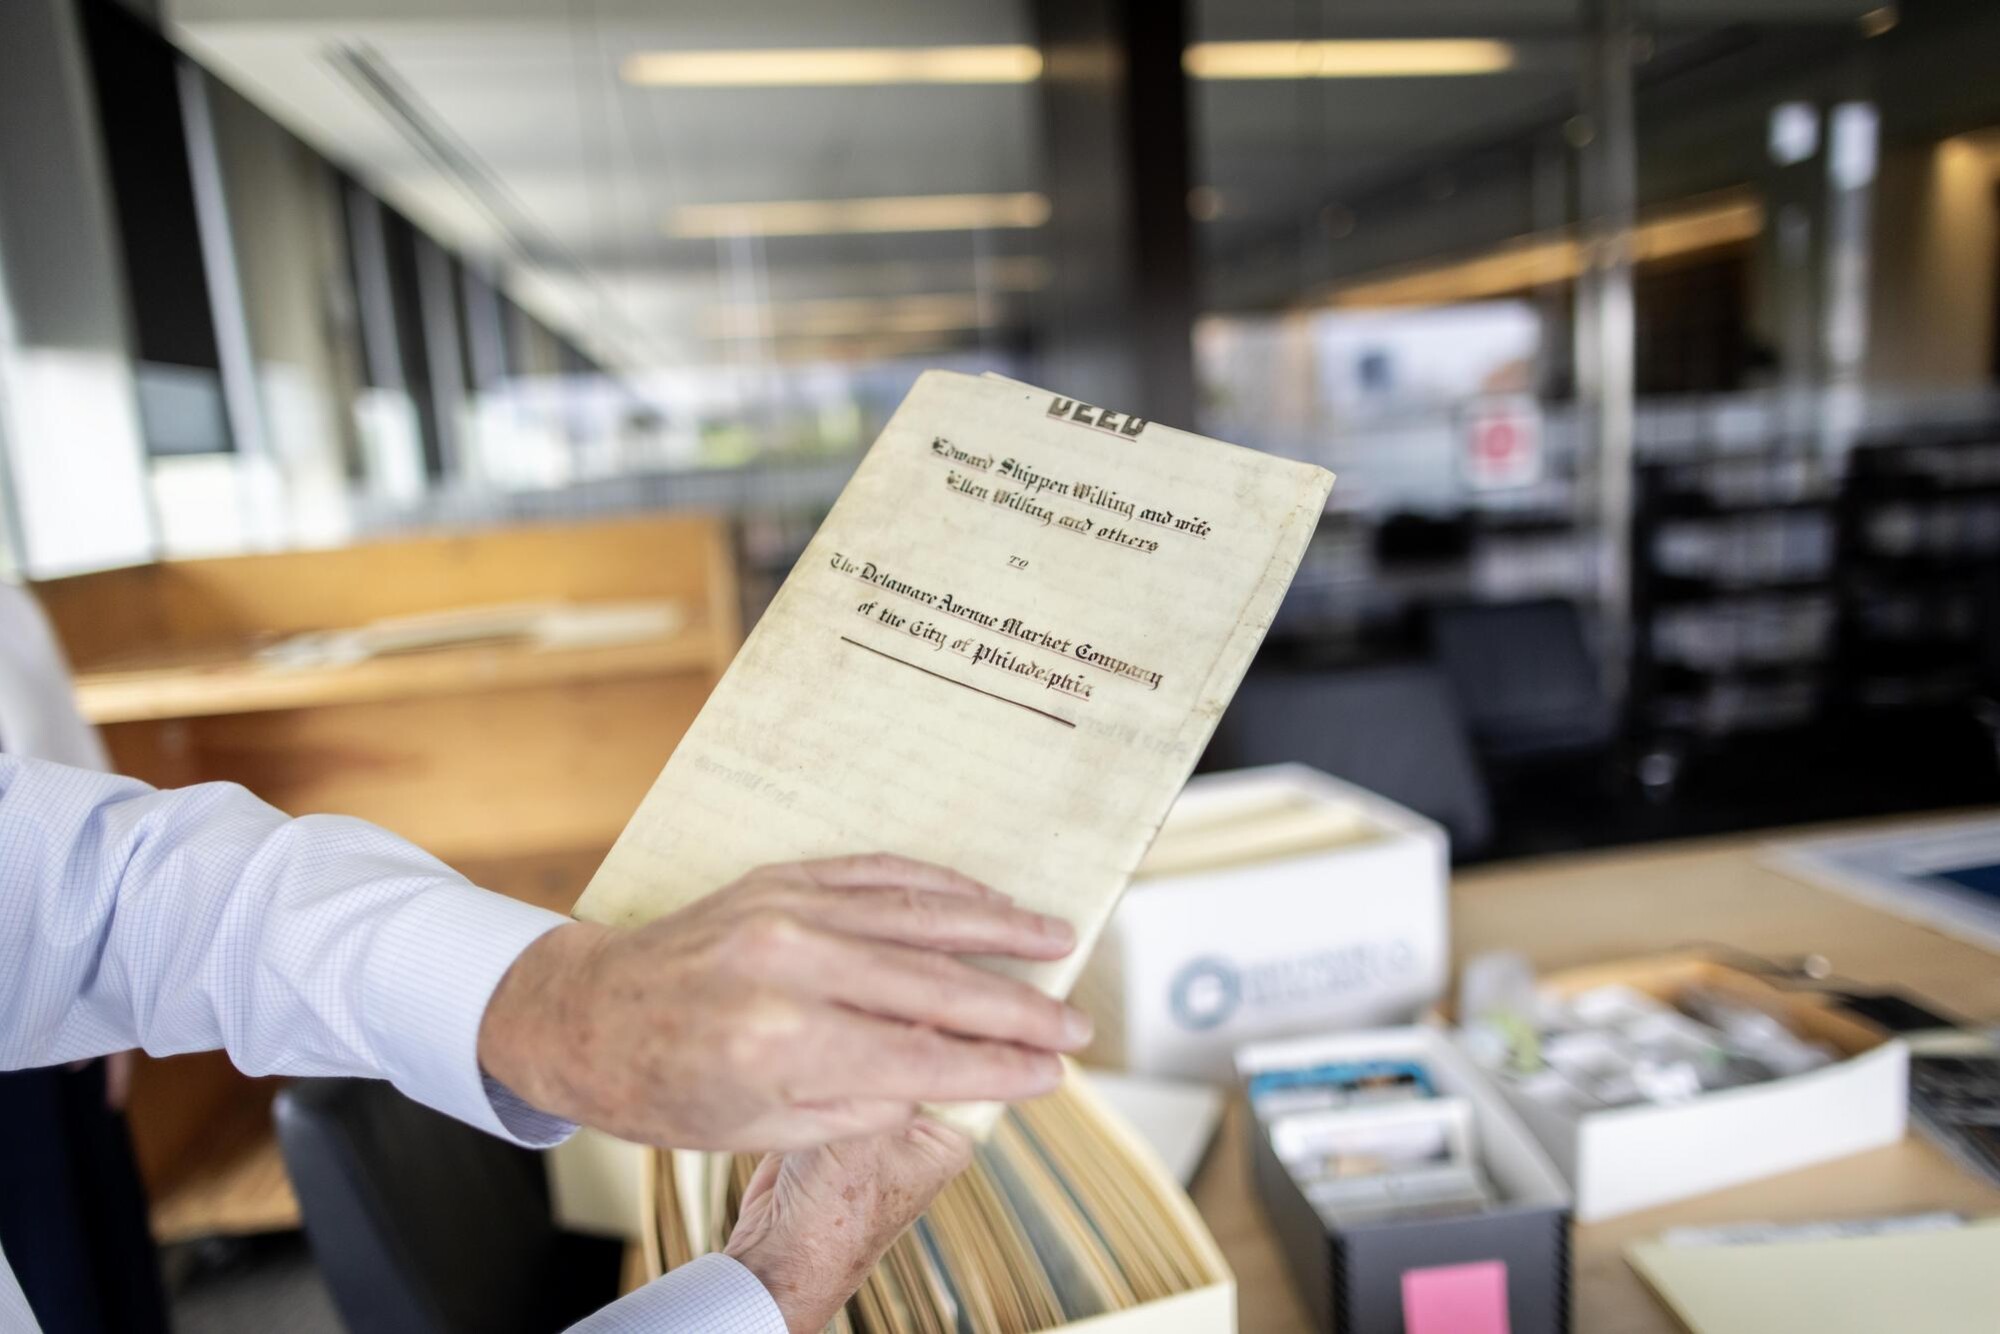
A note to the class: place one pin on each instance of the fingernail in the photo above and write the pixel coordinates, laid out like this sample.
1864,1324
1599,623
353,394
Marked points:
1051,1072
1056,929
1077,1026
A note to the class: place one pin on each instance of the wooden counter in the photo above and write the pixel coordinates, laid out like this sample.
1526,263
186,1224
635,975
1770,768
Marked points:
517,765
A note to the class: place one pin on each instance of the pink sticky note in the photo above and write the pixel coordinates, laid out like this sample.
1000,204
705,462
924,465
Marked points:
1456,1299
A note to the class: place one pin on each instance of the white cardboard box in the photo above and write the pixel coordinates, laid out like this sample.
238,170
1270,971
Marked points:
1197,962
1629,1158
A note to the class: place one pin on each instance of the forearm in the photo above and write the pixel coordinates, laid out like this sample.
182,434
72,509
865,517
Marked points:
203,918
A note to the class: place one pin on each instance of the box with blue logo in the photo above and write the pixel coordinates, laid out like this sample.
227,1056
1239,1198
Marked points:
1274,901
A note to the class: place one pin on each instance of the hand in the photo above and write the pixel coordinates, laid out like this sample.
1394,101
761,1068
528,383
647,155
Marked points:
814,1222
804,1003
118,1079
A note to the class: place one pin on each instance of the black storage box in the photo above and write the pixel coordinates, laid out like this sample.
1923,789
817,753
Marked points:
1352,1278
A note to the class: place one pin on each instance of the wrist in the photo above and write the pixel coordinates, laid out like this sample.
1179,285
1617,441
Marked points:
779,1274
530,1036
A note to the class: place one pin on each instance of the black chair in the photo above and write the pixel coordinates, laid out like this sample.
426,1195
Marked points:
1524,680
1393,730
1986,704
1986,599
422,1225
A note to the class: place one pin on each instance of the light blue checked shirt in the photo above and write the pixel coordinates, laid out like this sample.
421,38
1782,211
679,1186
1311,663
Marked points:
202,918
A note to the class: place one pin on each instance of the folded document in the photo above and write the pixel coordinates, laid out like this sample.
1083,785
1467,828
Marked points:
1003,651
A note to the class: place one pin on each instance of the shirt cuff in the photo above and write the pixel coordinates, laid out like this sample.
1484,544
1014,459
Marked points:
713,1294
433,967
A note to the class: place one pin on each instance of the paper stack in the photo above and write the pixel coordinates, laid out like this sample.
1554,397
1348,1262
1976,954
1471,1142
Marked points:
1065,1220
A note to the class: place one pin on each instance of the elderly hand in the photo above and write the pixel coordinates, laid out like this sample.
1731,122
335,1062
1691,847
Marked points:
813,1223
804,1003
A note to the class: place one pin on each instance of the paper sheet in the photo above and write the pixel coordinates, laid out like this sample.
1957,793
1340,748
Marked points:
1946,876
1936,1282
1003,651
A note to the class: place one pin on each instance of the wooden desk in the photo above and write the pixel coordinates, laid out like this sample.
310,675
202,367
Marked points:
477,752
1568,911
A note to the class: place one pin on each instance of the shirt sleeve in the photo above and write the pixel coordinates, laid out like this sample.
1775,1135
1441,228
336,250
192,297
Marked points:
199,918
711,1295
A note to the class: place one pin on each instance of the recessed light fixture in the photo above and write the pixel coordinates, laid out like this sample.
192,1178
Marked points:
1013,63
826,67
1360,59
1553,257
1878,20
888,213
829,317
853,349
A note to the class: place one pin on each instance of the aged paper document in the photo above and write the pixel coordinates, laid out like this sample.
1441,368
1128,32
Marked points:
1003,651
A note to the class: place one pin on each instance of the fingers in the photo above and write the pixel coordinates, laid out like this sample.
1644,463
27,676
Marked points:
861,1056
761,1182
945,1152
911,1164
118,1079
825,1122
888,869
953,923
924,987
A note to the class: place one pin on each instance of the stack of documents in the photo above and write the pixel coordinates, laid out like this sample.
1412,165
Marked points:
1063,1217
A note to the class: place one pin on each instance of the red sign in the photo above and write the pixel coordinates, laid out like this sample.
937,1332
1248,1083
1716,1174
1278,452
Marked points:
1503,443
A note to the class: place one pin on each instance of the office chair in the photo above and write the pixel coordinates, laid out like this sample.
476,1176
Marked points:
1393,730
1986,703
1986,598
422,1225
1524,680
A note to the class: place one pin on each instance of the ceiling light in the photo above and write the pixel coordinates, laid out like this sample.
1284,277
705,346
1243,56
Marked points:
1693,230
1553,257
832,66
856,351
1878,20
1369,59
1980,147
825,317
891,213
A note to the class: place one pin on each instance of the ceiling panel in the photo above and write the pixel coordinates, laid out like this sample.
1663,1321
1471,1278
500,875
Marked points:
529,92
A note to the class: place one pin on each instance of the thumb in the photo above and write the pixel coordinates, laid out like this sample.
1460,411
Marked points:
913,1165
762,1181
930,1146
